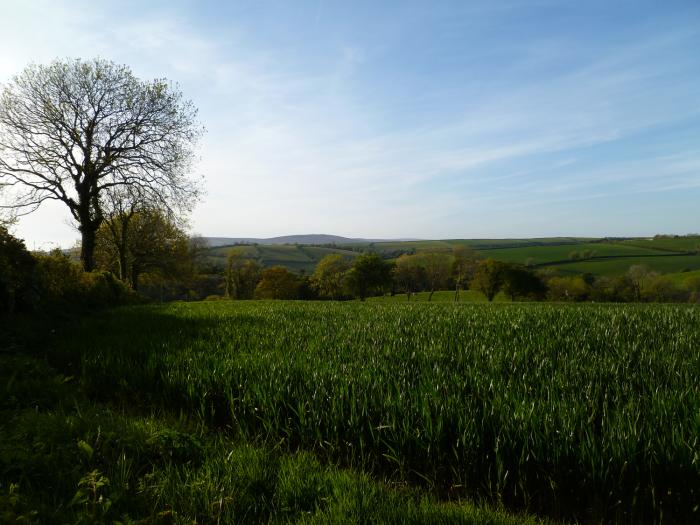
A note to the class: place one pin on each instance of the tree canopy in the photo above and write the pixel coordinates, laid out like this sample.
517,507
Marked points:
75,131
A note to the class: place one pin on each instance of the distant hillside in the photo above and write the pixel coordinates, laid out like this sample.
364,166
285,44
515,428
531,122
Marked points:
309,239
565,255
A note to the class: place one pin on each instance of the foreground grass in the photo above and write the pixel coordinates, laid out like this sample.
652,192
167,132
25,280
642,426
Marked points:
581,412
66,459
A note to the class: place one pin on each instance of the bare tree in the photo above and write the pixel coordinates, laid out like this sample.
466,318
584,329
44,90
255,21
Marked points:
74,131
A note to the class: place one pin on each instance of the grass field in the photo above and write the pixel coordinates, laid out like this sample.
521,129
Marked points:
582,412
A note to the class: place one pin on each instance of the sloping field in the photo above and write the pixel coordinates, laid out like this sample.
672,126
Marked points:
663,264
547,254
678,244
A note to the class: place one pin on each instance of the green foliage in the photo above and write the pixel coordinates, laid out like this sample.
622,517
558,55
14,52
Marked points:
520,283
61,285
329,276
409,274
242,275
369,275
278,283
16,267
488,278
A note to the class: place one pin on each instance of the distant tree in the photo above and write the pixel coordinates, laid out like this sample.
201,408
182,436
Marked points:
567,289
661,289
277,283
638,274
692,286
464,264
488,278
328,278
72,131
369,274
242,275
438,266
409,274
521,283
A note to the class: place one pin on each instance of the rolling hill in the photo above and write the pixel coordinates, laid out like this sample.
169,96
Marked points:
565,255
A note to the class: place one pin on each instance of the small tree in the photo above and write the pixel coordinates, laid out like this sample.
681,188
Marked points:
151,244
409,274
277,283
369,274
519,282
488,278
464,264
242,275
438,266
638,275
329,276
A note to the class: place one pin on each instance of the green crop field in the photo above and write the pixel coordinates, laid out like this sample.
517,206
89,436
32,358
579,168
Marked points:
584,412
547,254
662,264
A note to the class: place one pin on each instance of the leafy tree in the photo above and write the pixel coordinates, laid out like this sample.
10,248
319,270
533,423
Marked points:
277,283
638,274
438,266
329,276
464,264
369,274
519,282
661,289
568,289
409,274
73,131
152,244
488,278
242,275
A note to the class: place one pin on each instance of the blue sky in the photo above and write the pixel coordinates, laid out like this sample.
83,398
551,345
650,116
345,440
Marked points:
409,119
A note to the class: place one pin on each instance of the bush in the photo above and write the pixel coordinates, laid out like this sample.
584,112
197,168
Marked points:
16,265
61,285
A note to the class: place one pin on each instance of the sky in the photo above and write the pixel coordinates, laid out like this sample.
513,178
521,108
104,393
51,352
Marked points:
396,119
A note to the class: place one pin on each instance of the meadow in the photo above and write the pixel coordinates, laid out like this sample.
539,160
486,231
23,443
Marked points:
572,412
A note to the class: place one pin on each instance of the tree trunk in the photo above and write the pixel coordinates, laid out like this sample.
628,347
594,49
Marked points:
135,278
87,248
430,297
